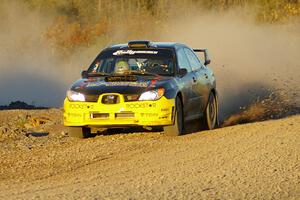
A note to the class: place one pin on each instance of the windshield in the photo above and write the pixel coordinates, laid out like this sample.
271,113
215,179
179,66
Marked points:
140,62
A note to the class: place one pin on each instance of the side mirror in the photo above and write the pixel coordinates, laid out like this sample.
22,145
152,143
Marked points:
207,62
84,74
182,72
206,56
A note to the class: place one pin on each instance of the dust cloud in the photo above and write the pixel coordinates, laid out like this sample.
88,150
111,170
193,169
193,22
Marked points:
256,65
27,70
30,69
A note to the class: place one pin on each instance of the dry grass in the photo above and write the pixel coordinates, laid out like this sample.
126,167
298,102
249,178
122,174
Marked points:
80,23
66,35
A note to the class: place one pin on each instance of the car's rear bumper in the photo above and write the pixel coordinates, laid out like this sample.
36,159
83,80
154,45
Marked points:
123,114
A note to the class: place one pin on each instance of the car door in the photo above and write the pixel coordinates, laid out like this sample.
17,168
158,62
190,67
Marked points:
202,88
187,84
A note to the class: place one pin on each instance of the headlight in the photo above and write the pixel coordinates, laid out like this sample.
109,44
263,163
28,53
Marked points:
152,95
75,96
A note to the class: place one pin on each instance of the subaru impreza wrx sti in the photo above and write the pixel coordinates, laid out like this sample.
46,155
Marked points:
143,83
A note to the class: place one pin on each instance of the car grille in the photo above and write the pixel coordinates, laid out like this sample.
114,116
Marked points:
110,99
121,115
124,115
99,115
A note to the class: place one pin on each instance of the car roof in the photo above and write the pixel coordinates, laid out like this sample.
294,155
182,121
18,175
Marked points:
165,45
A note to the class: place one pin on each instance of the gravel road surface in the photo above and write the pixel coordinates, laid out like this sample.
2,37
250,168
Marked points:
252,161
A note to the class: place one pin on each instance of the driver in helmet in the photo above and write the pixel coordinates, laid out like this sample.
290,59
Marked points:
121,67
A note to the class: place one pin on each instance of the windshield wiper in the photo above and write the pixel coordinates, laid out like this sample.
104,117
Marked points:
132,72
145,73
98,74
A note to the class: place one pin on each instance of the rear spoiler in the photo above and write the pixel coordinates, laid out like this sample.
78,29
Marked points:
206,56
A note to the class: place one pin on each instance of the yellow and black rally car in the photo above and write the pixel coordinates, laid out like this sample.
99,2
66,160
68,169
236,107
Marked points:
143,83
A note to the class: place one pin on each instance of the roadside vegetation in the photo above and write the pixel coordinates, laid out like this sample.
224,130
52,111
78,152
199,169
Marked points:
77,23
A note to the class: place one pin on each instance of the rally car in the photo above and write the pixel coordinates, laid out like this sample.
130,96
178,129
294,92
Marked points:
145,84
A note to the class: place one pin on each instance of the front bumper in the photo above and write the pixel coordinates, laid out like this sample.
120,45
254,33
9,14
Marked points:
122,114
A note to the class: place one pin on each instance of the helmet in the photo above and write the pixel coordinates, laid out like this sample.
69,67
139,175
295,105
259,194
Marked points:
121,67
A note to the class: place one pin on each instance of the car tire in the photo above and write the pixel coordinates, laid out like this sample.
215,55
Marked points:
210,120
178,127
79,132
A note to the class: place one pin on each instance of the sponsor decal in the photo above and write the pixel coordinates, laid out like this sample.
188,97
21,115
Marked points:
110,84
120,78
152,83
164,117
81,106
149,115
132,52
82,85
141,105
74,115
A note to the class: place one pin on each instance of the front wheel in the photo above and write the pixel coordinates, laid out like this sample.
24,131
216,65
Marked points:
211,113
178,127
79,132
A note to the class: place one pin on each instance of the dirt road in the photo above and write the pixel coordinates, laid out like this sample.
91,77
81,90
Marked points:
252,161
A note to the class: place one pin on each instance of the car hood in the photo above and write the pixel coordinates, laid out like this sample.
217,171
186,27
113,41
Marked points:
121,85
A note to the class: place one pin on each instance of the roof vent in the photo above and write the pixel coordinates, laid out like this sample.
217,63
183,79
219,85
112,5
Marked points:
139,44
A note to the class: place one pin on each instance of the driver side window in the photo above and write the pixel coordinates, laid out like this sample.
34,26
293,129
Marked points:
194,61
183,60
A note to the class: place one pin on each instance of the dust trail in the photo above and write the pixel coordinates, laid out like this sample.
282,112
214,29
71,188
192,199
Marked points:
250,61
30,69
27,68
